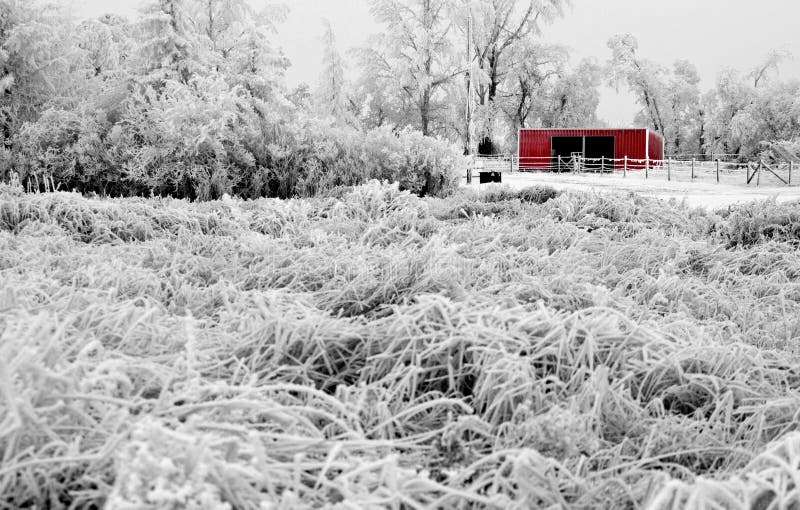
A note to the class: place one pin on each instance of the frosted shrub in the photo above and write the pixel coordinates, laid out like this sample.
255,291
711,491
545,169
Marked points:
316,156
420,164
8,172
186,139
203,139
65,145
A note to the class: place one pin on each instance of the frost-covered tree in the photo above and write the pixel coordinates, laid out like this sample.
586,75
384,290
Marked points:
670,98
40,62
773,114
534,69
746,109
56,74
104,52
572,99
684,103
168,47
379,102
771,64
330,94
541,90
500,32
258,65
220,21
646,79
730,95
499,28
238,41
412,56
301,97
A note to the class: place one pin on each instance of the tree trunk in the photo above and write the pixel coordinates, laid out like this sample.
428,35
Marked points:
493,78
425,112
701,138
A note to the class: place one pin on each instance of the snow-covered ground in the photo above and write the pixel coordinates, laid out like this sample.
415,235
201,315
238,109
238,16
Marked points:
703,191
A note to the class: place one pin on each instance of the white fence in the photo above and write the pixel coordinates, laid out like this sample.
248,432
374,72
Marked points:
679,169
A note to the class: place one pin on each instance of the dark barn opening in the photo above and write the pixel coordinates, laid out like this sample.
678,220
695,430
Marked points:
599,153
563,149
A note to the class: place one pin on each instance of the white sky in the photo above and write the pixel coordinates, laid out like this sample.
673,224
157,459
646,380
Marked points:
712,34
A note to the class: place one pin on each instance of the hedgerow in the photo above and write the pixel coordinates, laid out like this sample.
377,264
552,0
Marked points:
374,349
205,139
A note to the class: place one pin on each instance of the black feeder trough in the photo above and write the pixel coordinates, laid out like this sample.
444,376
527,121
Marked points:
488,177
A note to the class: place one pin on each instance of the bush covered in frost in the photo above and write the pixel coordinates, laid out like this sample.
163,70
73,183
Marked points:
204,139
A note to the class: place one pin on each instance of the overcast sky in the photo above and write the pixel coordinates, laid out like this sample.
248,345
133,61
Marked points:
712,34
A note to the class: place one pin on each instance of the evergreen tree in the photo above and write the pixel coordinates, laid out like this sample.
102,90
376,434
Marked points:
330,93
168,47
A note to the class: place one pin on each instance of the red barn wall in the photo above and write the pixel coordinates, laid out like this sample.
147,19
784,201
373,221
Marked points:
535,144
656,147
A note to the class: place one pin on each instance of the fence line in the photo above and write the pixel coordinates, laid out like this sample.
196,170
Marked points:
693,168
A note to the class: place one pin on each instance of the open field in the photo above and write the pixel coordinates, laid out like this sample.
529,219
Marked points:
496,349
703,191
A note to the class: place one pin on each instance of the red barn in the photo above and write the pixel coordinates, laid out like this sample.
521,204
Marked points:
546,149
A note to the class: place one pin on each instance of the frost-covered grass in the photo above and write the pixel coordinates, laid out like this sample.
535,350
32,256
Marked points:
495,349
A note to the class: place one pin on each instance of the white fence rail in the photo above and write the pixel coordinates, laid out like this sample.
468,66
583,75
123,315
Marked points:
671,169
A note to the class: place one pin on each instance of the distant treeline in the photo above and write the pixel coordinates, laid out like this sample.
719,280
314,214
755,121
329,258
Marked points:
188,98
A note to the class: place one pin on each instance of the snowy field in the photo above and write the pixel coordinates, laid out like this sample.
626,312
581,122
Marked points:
703,191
